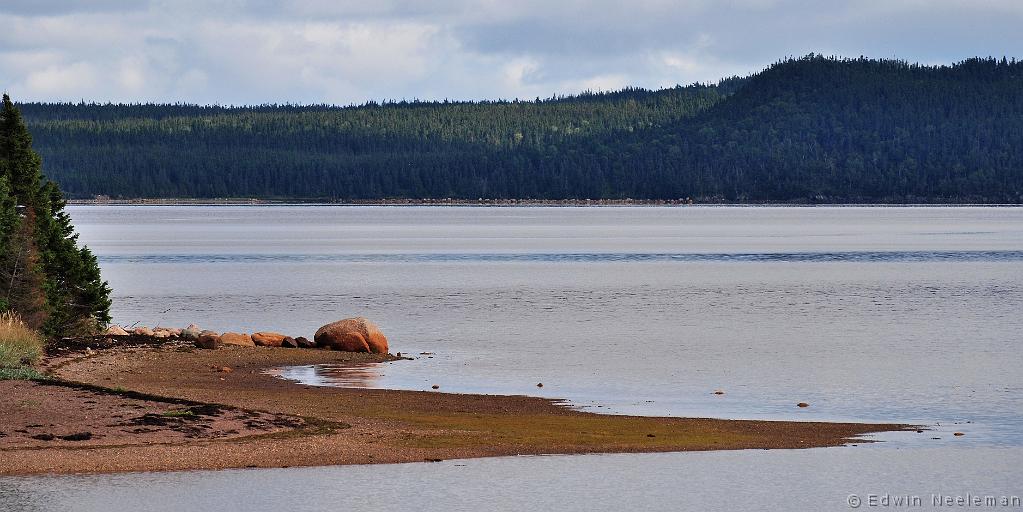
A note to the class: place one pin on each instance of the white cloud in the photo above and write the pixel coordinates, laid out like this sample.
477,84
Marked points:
250,51
61,81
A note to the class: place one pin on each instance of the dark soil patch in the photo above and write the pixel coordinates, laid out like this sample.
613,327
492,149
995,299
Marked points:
80,436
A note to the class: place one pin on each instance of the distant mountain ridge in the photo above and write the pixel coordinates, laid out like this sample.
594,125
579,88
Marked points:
813,129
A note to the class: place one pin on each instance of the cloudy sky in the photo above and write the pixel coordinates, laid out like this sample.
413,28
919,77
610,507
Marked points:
323,51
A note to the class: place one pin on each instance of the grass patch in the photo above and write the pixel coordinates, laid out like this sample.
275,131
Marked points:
180,413
20,373
20,347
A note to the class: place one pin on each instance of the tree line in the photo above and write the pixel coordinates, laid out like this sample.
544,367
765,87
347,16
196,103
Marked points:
810,129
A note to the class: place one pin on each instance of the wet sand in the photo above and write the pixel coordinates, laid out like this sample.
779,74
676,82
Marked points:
263,421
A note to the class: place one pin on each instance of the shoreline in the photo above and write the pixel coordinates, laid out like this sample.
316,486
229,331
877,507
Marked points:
520,203
245,418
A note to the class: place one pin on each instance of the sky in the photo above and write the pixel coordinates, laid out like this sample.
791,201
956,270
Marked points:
235,52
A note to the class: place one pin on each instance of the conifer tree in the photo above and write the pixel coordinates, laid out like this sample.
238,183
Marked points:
8,221
75,293
44,276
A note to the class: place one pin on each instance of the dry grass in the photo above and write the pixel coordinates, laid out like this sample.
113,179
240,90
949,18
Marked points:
19,345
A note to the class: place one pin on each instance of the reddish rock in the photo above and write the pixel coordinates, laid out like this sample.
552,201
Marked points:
115,330
289,342
142,331
352,335
267,339
234,338
350,342
208,340
304,342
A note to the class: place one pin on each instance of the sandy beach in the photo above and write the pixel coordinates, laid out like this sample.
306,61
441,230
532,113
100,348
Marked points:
172,407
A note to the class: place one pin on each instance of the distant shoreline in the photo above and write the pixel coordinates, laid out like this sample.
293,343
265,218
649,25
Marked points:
504,203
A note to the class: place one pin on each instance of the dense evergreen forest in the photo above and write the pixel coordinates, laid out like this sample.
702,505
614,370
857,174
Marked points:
812,129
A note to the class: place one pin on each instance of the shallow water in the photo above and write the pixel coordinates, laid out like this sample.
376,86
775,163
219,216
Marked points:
868,314
810,480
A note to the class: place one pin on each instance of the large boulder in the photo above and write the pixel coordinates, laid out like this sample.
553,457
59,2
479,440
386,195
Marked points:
350,342
234,338
268,339
352,335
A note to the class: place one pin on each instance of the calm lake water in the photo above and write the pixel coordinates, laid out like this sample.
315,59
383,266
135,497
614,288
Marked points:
869,314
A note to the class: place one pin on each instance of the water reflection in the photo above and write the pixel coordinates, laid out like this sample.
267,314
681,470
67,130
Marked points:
363,375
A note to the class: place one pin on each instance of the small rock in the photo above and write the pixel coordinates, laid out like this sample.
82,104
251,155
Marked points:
162,333
142,331
289,342
115,330
650,435
435,386
958,434
225,369
539,384
802,404
304,342
190,334
237,339
268,339
208,340
718,392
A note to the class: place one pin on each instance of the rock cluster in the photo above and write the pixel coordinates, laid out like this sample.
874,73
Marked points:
350,335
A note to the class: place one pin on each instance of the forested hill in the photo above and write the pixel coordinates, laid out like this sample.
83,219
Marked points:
812,129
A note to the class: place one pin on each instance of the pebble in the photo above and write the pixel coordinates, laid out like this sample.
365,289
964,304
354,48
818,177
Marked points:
802,404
